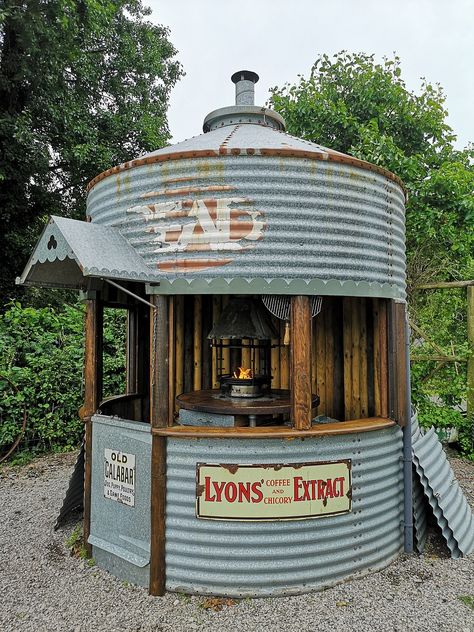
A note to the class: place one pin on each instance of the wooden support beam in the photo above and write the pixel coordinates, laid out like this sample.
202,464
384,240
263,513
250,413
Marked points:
441,285
399,333
364,387
329,362
179,345
284,360
171,358
159,418
470,361
275,357
321,360
301,397
197,379
347,353
92,397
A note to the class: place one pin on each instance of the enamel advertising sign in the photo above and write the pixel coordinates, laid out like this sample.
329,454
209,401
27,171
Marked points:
119,476
294,491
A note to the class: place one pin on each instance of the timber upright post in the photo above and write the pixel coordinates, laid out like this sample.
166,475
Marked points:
301,396
92,395
159,413
470,360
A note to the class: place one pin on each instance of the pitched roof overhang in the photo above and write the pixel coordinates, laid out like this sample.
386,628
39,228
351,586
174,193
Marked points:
70,252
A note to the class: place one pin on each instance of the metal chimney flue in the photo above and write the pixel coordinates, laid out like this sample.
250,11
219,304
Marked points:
245,81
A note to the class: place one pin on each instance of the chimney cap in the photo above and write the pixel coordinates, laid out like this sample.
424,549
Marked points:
244,75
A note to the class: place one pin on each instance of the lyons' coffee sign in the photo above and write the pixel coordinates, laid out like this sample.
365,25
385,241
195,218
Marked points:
273,492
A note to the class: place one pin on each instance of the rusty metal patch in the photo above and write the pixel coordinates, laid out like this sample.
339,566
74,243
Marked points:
199,225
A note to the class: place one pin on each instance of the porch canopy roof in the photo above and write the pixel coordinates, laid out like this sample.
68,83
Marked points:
70,252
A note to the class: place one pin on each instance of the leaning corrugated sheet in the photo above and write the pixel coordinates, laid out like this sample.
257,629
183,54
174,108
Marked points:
284,557
450,507
420,513
74,499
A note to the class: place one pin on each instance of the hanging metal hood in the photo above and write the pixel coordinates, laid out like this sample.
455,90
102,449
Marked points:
243,318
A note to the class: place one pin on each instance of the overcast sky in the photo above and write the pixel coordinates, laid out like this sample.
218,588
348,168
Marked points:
280,39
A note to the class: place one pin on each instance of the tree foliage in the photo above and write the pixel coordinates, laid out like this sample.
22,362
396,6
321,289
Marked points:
41,353
353,104
84,85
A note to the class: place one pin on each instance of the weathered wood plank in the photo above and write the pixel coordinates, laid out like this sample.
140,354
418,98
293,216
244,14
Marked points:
347,351
284,360
301,397
363,385
92,397
159,418
197,344
329,353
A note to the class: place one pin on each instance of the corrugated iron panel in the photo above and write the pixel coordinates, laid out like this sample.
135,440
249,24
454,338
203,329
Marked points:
269,223
450,507
120,534
74,499
276,558
420,513
69,250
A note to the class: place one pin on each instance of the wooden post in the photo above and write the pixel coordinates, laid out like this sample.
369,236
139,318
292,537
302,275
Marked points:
301,396
171,358
159,415
92,397
364,391
179,346
399,329
347,353
284,361
328,315
197,380
380,357
275,359
470,360
321,360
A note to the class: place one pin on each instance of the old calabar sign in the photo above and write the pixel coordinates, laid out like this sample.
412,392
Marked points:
293,491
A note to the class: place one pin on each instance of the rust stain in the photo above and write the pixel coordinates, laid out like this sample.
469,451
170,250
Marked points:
191,264
183,179
199,490
172,236
211,153
187,190
233,469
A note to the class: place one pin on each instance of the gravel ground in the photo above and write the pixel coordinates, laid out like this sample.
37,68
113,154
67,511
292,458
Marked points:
43,588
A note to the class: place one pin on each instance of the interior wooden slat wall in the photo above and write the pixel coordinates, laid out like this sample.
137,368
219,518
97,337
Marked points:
349,353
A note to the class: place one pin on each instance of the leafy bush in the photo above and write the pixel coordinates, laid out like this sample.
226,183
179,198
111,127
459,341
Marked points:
41,353
439,393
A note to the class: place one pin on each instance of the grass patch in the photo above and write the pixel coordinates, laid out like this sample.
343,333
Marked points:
467,600
75,544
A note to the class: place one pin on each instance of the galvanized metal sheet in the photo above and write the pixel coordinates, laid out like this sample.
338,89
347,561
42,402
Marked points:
74,499
68,251
275,558
449,505
259,223
420,514
120,533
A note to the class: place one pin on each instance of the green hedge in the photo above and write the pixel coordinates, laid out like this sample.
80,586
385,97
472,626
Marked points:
41,352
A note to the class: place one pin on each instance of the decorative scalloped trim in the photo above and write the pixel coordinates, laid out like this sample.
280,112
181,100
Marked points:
241,285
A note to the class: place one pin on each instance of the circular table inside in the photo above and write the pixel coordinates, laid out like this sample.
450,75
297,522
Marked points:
212,401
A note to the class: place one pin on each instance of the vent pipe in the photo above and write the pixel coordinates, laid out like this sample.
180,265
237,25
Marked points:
245,81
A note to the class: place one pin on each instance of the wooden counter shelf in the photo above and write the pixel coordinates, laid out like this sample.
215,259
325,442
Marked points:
275,432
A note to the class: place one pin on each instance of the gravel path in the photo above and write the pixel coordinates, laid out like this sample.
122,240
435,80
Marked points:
43,588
